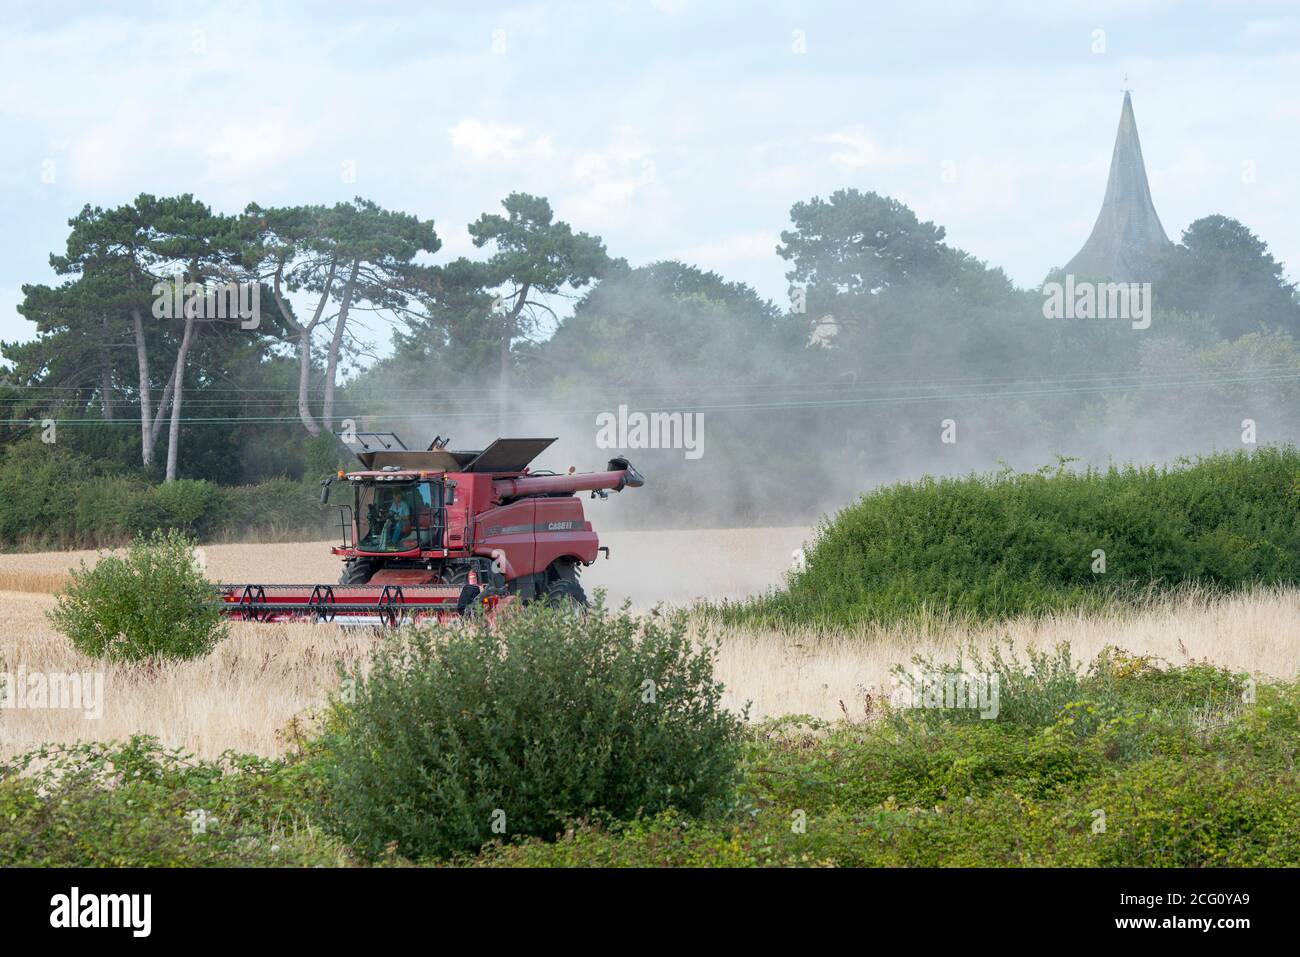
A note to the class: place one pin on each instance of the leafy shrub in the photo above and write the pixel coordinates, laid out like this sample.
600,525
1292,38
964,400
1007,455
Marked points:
1128,774
186,504
53,497
136,804
1000,793
524,724
38,492
110,509
995,546
153,602
1030,692
1200,812
277,508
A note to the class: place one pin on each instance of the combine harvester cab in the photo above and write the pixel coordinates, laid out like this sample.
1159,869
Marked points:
438,533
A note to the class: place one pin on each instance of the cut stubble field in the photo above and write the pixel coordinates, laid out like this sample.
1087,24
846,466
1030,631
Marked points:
249,693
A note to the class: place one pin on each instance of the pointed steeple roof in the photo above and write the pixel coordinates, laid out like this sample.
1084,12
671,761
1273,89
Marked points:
1128,240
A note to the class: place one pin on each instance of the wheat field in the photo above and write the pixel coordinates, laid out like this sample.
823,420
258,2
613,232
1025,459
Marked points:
249,693
644,567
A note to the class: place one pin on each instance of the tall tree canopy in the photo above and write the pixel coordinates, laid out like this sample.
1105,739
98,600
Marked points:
121,259
1223,270
534,257
349,258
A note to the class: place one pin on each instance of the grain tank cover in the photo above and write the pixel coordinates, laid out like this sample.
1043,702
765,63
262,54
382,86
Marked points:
508,455
378,450
431,461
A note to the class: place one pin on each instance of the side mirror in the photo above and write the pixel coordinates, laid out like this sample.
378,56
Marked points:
325,490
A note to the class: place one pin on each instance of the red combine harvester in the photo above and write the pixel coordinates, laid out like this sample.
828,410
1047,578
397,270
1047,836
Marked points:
433,534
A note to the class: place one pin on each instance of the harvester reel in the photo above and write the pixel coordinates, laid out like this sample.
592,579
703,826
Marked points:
322,597
253,595
391,601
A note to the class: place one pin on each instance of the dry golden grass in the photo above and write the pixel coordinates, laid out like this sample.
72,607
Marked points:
264,564
242,696
645,567
247,692
800,672
47,582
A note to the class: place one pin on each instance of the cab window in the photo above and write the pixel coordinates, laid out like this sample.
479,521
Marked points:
391,516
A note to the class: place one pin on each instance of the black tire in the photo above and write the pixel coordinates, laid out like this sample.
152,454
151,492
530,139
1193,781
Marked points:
564,588
356,571
467,602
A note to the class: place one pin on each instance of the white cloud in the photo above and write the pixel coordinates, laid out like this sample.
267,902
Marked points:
13,327
480,141
730,250
682,130
1274,28
855,150
618,184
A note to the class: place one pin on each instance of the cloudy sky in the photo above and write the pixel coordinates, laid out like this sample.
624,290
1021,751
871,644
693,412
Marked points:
671,128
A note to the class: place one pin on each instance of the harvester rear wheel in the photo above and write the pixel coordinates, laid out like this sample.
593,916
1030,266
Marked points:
356,571
564,588
566,593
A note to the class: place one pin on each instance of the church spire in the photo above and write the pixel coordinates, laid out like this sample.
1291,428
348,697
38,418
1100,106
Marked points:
1127,240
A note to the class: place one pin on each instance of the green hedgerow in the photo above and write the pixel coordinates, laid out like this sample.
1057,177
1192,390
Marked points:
138,804
153,602
988,547
459,736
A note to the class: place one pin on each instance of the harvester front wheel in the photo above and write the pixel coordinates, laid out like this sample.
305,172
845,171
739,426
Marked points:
356,571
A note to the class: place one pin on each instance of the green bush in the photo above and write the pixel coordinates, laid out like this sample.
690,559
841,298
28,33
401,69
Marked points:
991,547
1152,766
52,497
108,509
189,505
459,736
38,492
151,603
136,804
276,509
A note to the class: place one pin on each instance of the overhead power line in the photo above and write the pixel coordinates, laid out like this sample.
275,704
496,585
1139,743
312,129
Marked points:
789,404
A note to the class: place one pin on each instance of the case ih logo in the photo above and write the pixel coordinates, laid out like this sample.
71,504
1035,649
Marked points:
523,529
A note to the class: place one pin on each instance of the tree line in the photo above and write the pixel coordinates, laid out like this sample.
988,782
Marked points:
887,330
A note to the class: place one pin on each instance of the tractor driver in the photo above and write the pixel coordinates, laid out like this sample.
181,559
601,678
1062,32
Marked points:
399,510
